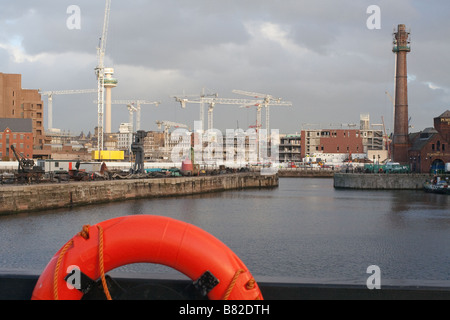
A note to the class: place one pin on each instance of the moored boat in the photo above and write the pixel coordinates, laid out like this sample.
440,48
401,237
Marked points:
437,185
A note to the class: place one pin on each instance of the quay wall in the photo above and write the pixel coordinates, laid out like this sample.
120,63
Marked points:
305,173
20,198
380,181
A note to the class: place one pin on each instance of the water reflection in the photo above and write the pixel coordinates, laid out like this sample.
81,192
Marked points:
305,228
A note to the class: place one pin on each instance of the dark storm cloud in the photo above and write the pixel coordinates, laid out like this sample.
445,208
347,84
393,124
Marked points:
317,54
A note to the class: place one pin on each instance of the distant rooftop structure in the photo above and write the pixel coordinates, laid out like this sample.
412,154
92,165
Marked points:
325,126
364,124
446,114
16,125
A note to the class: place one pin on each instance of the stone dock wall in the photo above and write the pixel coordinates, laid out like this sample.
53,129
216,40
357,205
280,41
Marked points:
305,173
380,181
20,198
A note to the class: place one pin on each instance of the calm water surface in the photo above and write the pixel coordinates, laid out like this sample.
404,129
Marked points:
303,229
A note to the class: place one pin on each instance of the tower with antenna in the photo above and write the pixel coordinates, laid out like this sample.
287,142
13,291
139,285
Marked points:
400,143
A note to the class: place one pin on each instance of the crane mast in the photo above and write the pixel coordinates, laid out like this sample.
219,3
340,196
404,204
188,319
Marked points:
100,72
203,96
212,102
167,125
50,95
266,101
131,110
138,104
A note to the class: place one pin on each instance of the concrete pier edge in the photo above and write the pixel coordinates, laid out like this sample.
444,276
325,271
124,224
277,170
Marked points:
40,197
383,181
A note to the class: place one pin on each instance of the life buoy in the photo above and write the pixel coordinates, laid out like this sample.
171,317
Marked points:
147,239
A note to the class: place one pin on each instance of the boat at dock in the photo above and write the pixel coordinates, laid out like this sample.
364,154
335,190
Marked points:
437,185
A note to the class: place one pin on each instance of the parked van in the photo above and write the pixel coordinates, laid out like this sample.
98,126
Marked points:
395,167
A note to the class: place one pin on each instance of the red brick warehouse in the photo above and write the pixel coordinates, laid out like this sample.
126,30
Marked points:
16,132
430,149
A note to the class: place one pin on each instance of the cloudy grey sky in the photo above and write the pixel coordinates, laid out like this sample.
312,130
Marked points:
319,55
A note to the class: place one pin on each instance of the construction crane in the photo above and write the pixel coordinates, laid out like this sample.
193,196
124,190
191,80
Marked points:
266,101
386,138
131,109
27,171
100,72
167,125
203,96
212,103
50,95
138,104
258,106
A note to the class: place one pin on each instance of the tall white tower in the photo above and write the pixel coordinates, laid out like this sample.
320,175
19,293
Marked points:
109,83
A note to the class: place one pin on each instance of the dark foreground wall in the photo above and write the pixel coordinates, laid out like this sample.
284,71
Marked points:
48,196
158,287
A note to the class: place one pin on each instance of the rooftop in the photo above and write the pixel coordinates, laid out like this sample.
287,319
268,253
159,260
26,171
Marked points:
446,114
16,125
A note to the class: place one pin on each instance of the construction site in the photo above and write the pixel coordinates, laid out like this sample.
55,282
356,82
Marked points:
28,149
56,155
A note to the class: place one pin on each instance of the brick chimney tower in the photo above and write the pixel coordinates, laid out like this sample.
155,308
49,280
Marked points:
400,143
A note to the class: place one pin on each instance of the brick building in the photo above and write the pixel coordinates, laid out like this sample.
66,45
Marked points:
331,141
430,149
342,141
18,103
17,132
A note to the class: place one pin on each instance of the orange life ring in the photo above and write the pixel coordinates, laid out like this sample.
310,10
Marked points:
147,239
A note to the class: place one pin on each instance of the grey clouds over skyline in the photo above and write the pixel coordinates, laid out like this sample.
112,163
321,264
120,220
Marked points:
320,55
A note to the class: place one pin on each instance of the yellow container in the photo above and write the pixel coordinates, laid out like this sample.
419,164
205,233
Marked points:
107,155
